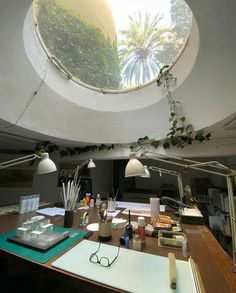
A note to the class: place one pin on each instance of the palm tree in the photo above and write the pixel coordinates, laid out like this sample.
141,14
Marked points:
142,46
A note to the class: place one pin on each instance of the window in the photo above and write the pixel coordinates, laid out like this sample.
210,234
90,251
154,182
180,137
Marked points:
113,45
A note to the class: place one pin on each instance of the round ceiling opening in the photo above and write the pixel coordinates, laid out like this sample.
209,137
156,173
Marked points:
112,45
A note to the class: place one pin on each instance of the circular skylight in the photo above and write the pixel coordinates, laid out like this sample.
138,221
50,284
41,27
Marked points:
112,44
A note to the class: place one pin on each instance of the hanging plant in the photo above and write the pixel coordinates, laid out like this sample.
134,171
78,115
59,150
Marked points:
144,141
88,148
45,146
181,133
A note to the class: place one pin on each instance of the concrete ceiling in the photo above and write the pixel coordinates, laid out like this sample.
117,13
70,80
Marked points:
206,88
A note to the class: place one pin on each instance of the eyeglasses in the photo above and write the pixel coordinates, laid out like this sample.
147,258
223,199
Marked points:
104,261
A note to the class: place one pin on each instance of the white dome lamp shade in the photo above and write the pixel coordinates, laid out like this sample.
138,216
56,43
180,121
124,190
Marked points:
134,167
147,175
46,165
91,164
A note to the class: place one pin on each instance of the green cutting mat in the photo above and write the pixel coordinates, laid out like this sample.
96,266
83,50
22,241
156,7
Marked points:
41,257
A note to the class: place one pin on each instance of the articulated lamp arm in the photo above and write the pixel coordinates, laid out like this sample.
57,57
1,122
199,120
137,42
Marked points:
174,173
17,161
90,163
45,165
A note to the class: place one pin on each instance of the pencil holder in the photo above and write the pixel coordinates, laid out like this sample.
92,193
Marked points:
104,232
68,219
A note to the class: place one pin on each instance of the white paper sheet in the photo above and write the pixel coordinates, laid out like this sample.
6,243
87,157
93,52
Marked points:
133,205
137,209
132,271
52,212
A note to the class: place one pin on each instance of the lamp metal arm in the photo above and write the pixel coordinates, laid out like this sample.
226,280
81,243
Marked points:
168,161
174,173
171,172
212,164
77,170
83,164
17,161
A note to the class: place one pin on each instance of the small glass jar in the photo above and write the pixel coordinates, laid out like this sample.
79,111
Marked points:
137,245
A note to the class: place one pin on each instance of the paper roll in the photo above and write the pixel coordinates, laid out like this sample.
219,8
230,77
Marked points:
155,207
172,270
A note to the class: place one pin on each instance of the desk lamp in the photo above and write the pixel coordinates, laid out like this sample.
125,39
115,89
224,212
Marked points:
212,167
90,163
46,165
134,167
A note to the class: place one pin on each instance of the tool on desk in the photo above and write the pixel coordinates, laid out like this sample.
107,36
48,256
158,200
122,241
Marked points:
129,228
124,240
172,270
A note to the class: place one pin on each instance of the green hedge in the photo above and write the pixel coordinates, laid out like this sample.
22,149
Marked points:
87,53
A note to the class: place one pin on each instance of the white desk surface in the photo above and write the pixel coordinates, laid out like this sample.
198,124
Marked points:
132,271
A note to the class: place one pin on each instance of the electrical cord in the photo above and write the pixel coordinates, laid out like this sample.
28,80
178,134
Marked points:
172,203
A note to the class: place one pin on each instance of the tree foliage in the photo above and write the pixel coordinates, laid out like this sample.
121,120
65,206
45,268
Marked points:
87,53
145,47
181,17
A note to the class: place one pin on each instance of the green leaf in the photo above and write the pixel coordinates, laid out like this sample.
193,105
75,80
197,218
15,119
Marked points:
208,135
155,143
102,147
63,153
182,119
72,152
189,127
166,144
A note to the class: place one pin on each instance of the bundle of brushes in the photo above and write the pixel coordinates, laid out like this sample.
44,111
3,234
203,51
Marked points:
70,193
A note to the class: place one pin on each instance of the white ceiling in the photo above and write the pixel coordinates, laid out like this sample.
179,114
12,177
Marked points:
206,89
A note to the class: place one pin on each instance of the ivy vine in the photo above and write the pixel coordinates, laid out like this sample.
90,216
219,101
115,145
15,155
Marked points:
180,133
88,148
45,146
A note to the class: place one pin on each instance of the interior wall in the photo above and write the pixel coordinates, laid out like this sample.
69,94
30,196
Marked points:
47,184
102,179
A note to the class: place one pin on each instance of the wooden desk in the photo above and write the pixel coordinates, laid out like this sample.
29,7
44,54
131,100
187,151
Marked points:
214,264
